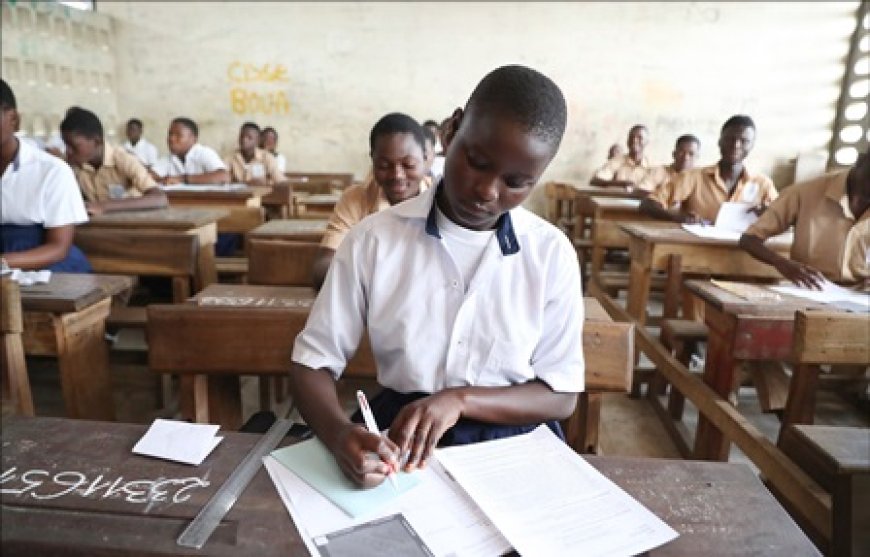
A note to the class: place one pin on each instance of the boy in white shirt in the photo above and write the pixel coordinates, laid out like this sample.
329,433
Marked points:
189,162
40,202
137,145
473,304
269,142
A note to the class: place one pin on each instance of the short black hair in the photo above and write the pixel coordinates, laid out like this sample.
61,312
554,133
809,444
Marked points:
638,127
431,123
687,138
7,97
187,123
269,129
250,126
80,121
738,120
429,134
527,96
135,122
396,122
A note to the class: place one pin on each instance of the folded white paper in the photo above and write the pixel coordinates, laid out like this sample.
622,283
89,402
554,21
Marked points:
28,278
178,441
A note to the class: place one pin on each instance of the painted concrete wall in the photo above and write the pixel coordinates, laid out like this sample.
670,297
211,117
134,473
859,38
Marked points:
322,73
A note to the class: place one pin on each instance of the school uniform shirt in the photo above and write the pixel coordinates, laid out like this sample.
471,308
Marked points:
702,191
356,203
623,167
39,188
144,150
518,318
437,170
658,176
261,166
280,162
199,160
121,176
826,234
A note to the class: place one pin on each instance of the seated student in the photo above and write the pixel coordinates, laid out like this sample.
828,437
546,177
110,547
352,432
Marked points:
434,163
685,152
111,179
472,303
396,146
138,146
614,151
700,192
831,228
269,142
626,171
251,165
189,162
40,203
433,127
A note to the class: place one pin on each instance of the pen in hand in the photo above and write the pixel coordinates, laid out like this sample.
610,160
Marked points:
372,426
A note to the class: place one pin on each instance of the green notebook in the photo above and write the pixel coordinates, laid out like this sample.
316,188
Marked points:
312,461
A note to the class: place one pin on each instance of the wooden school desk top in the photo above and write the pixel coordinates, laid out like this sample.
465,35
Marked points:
172,218
70,292
289,229
256,296
757,300
597,191
673,233
81,478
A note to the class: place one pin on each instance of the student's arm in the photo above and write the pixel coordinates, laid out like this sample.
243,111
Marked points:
321,266
654,208
798,273
624,184
667,195
220,176
153,198
55,248
350,443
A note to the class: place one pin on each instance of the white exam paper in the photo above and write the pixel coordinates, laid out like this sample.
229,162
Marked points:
548,501
178,441
735,216
830,293
203,187
28,278
712,232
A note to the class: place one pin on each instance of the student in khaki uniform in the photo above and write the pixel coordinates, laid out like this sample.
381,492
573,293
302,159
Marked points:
831,228
251,165
626,171
110,178
685,152
269,142
702,191
398,173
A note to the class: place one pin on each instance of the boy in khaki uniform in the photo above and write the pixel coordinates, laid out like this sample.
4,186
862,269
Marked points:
110,178
251,165
626,171
685,152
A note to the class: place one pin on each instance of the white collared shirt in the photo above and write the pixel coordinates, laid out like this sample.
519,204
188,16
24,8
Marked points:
520,317
281,162
145,151
199,160
39,188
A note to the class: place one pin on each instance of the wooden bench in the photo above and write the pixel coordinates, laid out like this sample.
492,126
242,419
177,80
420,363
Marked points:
15,382
280,262
279,202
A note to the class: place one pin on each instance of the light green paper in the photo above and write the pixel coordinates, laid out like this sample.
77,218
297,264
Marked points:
312,461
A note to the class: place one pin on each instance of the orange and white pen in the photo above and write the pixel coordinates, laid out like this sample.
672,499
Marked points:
372,426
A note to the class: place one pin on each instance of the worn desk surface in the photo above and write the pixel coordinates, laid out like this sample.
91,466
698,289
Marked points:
172,218
70,292
290,229
99,498
596,191
255,296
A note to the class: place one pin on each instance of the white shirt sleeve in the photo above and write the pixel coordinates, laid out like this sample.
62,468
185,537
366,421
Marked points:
151,155
61,198
209,160
161,167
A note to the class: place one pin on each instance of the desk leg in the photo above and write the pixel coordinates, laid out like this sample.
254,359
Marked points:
581,428
638,291
214,399
597,260
801,401
720,371
83,359
206,267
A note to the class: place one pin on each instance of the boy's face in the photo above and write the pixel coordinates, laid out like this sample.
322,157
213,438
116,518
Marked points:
249,138
637,140
735,143
9,122
134,133
398,165
179,139
492,165
268,141
81,150
684,155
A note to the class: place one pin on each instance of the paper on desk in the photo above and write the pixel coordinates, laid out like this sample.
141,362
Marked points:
548,501
203,187
28,278
444,516
735,216
312,461
829,294
712,232
178,441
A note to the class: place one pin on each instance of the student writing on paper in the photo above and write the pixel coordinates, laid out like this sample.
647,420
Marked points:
397,150
250,164
40,202
269,142
484,339
189,162
831,228
685,152
626,171
700,192
111,179
138,146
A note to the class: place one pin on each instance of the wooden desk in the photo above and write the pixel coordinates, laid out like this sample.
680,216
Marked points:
711,505
297,230
244,205
652,245
66,319
607,214
315,205
739,330
197,222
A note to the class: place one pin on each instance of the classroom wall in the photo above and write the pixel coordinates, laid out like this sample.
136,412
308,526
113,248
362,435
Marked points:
322,73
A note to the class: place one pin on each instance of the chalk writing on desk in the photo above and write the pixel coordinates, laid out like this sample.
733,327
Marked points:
254,301
45,485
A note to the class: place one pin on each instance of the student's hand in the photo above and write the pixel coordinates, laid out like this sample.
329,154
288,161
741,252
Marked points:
364,456
800,274
690,218
420,425
757,209
173,180
94,208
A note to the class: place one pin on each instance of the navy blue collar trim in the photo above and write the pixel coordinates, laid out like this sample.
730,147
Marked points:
504,228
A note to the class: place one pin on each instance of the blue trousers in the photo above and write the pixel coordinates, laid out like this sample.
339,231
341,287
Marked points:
16,237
